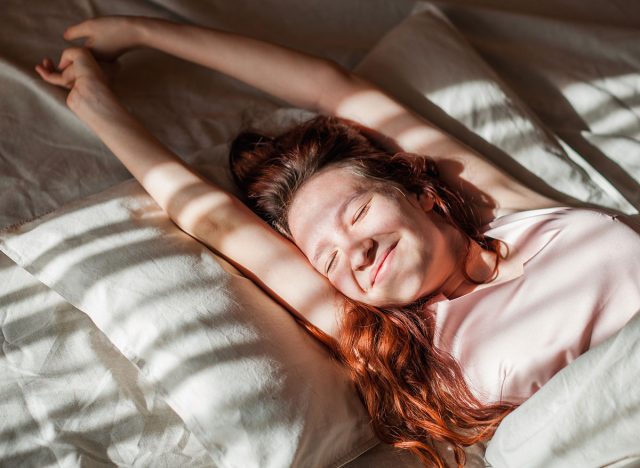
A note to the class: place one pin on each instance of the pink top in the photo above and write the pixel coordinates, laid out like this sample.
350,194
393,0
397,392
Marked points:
572,279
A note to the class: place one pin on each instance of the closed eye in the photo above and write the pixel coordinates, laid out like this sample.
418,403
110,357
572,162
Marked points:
360,212
331,262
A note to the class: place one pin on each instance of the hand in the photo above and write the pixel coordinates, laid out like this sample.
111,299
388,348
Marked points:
108,37
79,72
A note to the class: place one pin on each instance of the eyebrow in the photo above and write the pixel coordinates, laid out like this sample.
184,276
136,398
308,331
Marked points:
339,216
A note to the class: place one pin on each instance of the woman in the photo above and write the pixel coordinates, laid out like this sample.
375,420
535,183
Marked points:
410,268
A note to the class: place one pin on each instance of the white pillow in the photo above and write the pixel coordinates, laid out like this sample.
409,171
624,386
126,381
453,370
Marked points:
588,414
427,64
247,380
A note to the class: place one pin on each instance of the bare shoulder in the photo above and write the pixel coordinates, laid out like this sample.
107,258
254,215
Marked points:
481,182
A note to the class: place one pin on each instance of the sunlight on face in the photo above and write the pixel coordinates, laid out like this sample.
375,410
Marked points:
374,244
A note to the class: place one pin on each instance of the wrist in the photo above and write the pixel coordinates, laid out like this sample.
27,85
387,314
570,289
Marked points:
144,29
130,27
93,100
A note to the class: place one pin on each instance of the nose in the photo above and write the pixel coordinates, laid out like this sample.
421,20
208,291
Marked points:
362,254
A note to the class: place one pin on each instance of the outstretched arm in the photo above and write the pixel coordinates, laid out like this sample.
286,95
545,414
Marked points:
163,175
320,85
295,77
196,205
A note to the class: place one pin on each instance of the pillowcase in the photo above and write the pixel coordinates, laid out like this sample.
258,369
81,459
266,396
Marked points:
426,64
246,379
588,414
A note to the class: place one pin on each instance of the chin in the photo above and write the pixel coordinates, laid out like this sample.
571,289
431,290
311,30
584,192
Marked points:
408,295
394,302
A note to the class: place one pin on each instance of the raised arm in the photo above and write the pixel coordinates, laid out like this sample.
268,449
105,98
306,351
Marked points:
320,85
293,76
196,205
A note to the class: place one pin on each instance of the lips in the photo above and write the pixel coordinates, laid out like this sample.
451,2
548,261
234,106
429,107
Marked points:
376,268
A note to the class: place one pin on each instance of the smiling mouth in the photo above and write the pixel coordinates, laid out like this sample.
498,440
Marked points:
384,257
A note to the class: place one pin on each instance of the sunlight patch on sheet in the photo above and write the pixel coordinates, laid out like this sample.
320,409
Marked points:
608,106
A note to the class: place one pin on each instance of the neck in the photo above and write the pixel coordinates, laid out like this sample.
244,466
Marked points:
479,265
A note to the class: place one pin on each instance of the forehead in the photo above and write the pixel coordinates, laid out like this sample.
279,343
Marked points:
315,204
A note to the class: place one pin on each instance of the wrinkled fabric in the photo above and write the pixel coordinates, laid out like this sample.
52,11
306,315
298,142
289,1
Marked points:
252,386
586,415
68,397
552,111
571,282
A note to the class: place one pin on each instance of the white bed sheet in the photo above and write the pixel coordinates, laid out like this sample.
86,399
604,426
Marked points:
68,397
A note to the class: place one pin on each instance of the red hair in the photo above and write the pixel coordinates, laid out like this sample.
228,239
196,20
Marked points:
414,392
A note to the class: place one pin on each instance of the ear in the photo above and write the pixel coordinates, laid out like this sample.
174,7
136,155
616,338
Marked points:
426,201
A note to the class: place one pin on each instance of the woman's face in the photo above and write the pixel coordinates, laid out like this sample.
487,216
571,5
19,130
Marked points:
373,243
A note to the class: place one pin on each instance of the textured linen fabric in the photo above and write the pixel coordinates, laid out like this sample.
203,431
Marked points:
571,280
248,382
586,416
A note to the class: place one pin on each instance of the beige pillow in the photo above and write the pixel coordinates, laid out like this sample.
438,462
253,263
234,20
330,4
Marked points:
427,64
247,380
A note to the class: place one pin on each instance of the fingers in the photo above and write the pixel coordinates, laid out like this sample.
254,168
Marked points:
48,73
45,68
74,62
66,58
47,63
69,55
64,75
77,30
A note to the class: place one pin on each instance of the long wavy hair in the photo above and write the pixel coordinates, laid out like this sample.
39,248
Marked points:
414,392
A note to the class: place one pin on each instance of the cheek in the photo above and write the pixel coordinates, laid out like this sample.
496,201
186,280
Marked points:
343,281
386,217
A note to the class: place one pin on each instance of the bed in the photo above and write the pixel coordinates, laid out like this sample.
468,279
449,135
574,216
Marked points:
126,342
